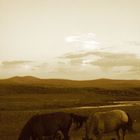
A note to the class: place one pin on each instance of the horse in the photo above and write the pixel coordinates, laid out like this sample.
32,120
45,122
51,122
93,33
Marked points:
49,124
100,123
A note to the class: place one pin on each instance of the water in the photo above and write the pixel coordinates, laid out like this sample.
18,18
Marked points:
114,105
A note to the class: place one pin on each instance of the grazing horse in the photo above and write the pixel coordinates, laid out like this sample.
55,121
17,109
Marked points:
47,125
100,123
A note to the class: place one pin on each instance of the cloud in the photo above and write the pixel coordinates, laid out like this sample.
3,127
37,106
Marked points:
105,60
80,54
45,67
135,71
70,39
84,41
78,65
125,47
110,60
13,64
99,64
16,68
79,58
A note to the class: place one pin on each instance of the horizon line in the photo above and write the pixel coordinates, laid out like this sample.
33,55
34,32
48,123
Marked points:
40,78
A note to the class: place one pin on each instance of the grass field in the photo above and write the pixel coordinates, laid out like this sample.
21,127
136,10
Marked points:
15,110
22,98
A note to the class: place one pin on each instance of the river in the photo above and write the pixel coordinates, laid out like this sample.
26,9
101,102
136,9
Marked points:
113,105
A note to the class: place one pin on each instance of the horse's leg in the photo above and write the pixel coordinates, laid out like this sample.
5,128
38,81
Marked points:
33,137
118,134
65,131
124,130
37,137
40,138
99,135
66,134
58,136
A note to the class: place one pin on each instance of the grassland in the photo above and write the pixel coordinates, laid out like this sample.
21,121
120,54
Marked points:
20,98
12,122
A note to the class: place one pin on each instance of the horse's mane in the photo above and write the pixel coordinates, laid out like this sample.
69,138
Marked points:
78,119
130,123
26,130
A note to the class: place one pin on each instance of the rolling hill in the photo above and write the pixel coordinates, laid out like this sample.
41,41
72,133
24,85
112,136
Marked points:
64,83
29,84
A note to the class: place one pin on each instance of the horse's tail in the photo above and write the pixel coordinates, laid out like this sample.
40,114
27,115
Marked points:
78,120
130,124
26,131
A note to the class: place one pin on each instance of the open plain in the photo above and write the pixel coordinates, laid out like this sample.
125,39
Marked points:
20,100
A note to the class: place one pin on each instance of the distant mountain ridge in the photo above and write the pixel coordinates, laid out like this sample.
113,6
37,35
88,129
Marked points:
103,88
98,83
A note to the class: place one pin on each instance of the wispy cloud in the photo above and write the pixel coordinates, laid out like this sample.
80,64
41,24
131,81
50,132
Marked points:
111,60
105,60
14,68
80,54
84,41
78,65
13,64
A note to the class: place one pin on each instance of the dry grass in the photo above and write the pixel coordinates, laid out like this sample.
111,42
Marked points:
20,100
12,119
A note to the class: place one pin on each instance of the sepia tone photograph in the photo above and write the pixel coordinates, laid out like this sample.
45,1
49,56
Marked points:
69,69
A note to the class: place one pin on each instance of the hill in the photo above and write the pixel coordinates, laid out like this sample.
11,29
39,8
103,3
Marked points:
64,83
31,92
33,85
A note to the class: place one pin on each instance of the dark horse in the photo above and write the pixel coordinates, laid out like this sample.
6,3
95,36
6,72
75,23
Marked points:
48,125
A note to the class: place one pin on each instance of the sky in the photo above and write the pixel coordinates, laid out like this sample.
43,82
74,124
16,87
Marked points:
70,39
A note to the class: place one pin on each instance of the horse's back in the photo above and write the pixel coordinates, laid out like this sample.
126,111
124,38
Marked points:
109,120
105,122
120,114
54,120
113,114
49,123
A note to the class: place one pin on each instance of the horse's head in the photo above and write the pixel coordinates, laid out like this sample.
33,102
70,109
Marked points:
78,120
